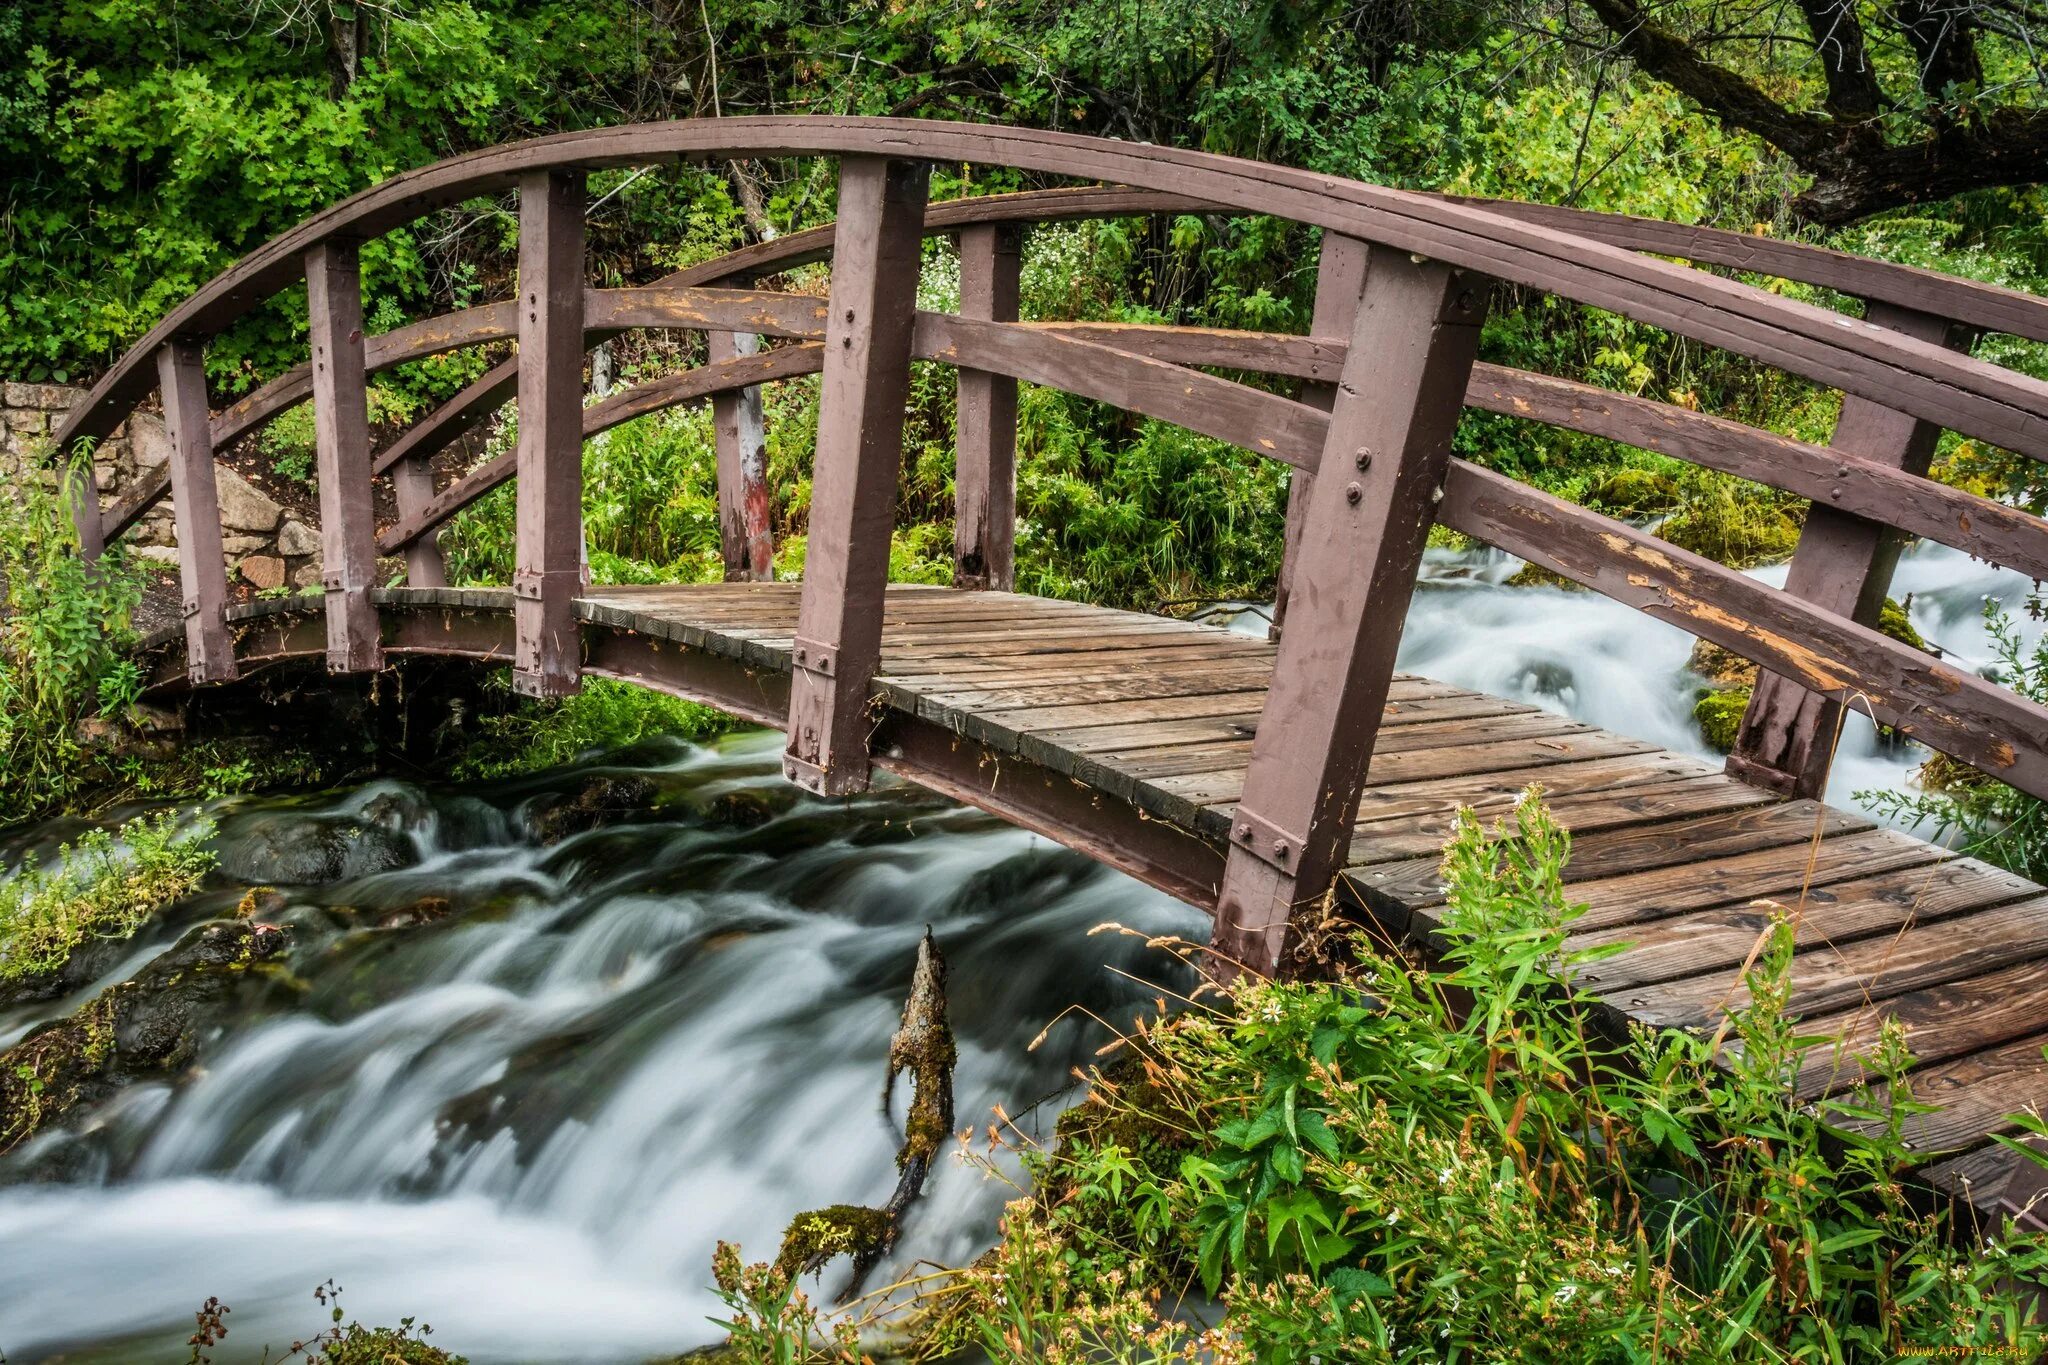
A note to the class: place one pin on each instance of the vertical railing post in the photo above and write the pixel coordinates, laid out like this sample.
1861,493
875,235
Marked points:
985,467
341,448
547,647
412,486
1340,274
1380,476
853,486
1842,564
195,510
746,537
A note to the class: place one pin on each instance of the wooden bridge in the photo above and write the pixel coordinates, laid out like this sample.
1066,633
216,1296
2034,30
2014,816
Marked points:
1248,777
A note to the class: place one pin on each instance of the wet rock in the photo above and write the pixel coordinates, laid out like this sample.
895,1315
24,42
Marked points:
1536,576
600,801
1723,667
312,852
1720,714
150,1025
262,571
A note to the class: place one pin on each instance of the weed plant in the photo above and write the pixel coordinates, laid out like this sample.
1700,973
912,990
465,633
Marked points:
103,886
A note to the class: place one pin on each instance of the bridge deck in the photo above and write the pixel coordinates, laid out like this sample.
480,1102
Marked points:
1670,856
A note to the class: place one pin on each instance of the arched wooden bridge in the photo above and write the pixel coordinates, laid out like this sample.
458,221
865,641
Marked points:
1248,777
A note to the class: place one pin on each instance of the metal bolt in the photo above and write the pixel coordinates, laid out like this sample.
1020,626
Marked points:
1280,848
1364,458
1244,832
1436,495
799,656
849,315
1354,493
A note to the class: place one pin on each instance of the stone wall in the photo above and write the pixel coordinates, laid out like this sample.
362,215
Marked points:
265,548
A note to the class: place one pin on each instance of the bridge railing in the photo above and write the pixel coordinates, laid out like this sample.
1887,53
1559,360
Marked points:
1404,282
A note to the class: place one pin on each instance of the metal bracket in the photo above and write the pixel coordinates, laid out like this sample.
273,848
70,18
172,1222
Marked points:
191,607
812,657
530,584
806,774
1264,840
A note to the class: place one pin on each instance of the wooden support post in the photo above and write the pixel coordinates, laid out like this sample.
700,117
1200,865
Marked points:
547,648
87,522
985,466
1340,275
853,488
341,443
746,537
1843,564
195,510
1369,511
412,484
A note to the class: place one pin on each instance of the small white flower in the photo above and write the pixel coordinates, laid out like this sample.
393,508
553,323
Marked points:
1393,1217
1565,1292
1443,1177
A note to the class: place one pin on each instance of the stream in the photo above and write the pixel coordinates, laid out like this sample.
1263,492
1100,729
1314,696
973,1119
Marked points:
529,1120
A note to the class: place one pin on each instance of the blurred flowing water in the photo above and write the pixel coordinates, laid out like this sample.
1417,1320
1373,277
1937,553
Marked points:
529,1121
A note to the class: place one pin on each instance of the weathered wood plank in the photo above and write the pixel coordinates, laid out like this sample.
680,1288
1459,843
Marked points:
1843,565
341,441
985,473
860,447
1387,444
549,457
195,496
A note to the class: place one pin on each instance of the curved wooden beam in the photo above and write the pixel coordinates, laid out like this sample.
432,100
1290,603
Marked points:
1925,381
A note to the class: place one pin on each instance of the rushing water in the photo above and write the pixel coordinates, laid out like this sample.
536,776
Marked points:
528,1122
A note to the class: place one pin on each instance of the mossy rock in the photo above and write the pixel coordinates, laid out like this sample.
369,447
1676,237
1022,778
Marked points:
1636,492
1536,576
1720,666
1892,620
384,1346
815,1237
601,800
1741,533
151,1025
1719,714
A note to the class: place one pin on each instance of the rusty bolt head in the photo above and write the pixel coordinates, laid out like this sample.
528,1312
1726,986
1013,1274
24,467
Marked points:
1354,494
1364,458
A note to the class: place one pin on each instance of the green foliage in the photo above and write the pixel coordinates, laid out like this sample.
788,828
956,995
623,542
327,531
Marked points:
62,633
1456,1165
103,886
1977,813
773,1322
1719,712
533,736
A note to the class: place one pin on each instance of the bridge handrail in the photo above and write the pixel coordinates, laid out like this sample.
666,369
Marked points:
1977,399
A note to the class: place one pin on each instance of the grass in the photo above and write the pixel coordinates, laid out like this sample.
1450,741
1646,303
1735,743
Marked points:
1460,1163
103,886
534,736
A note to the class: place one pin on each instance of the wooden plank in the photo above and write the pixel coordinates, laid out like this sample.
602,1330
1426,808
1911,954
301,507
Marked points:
746,539
195,499
1340,280
1838,913
549,572
1583,813
985,473
1940,704
1835,976
412,487
341,441
1441,797
1387,445
1843,565
1779,873
1951,1019
1397,717
860,448
1686,844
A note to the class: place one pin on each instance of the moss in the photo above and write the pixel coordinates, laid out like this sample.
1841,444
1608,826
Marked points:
1721,666
1719,714
1740,531
1892,620
1953,777
1536,576
357,1345
1636,492
816,1237
151,1025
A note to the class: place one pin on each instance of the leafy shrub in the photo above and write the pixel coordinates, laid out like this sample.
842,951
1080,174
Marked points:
103,886
535,735
63,630
1458,1165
